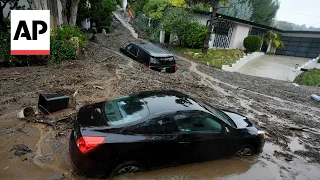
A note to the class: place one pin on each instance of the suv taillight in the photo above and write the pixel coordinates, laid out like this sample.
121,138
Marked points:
175,67
88,143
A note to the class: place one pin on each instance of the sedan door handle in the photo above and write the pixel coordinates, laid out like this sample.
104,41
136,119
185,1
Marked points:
184,142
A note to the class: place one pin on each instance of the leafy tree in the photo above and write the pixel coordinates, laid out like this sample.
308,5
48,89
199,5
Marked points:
273,38
284,25
155,8
175,20
264,11
3,4
238,9
216,5
99,11
180,3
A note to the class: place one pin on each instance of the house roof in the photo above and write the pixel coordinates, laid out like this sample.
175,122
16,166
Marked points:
251,23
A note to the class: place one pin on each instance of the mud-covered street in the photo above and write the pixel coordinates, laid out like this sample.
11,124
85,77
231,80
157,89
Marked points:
289,116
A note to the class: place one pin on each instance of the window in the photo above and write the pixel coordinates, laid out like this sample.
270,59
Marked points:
132,49
156,126
219,114
196,123
163,126
125,110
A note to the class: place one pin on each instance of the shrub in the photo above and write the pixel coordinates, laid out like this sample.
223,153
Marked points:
65,33
193,35
252,43
61,50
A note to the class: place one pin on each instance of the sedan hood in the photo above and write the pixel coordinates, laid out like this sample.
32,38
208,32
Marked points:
239,120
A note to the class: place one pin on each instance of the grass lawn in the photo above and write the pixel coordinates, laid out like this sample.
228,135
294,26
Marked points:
310,78
216,57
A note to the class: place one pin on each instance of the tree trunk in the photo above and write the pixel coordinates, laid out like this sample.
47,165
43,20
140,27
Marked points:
213,15
73,12
3,27
64,12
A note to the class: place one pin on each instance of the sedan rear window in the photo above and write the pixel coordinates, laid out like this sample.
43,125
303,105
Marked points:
125,110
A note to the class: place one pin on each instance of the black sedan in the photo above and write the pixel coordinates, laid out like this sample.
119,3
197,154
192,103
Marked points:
156,129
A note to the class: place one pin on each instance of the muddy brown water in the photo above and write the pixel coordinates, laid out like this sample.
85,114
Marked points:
49,161
274,104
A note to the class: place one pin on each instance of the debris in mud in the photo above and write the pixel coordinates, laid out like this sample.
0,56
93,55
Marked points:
49,103
312,154
28,113
20,149
58,176
287,156
315,97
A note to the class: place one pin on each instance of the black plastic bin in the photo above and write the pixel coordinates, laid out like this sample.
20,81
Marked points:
52,102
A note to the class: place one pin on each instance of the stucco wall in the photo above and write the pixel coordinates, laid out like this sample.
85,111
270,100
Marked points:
240,32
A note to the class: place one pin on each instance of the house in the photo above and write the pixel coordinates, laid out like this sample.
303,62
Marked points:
54,6
229,32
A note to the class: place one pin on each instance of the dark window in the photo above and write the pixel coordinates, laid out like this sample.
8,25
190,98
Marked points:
290,53
292,48
162,125
305,44
295,39
301,54
194,122
133,49
316,40
143,56
306,40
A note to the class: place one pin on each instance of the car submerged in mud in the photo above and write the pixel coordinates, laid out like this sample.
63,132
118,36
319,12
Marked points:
152,56
156,129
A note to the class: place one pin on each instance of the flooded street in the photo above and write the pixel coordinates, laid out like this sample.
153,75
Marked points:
33,150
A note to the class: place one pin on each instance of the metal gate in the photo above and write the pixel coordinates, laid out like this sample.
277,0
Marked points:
300,47
223,32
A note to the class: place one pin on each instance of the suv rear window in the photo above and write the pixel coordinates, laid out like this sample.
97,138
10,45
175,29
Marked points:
125,110
162,60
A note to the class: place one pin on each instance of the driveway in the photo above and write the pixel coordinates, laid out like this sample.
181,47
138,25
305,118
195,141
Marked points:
271,66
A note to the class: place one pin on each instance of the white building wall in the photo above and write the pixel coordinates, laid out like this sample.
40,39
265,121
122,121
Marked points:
240,31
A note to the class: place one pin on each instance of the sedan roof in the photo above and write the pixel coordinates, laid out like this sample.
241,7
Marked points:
165,101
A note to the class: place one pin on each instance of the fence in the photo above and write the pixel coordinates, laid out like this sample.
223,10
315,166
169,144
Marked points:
152,29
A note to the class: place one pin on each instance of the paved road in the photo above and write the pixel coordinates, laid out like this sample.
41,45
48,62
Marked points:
275,67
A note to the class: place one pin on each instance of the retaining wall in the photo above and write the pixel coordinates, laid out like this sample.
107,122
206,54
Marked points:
242,61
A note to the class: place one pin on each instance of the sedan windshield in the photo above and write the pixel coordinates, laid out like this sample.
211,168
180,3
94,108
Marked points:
219,114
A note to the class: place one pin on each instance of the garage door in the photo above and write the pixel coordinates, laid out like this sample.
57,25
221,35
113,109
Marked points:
300,47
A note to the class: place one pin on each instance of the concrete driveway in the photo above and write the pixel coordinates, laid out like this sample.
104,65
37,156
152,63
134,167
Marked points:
272,66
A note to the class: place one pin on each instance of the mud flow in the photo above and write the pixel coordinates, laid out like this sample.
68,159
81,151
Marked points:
34,150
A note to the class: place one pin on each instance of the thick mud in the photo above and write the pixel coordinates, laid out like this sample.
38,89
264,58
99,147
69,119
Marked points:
287,114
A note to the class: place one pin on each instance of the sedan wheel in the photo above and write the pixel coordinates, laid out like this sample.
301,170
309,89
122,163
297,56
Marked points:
128,170
246,151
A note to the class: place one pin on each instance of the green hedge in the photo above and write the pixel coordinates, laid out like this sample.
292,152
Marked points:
193,35
61,48
252,43
65,33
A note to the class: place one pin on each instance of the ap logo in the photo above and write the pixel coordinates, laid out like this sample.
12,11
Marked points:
30,32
